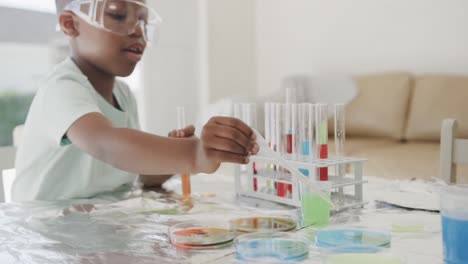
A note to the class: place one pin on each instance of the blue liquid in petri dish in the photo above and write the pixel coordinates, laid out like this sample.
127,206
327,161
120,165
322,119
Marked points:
455,237
353,240
273,249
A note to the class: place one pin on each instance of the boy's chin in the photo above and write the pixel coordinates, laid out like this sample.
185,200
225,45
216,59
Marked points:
125,72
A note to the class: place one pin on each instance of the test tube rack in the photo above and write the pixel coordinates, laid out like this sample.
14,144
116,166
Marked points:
346,191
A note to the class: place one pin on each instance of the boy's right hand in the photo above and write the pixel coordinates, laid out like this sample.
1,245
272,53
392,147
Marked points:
225,139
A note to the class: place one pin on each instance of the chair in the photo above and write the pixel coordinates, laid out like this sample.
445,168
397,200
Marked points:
453,151
18,135
7,162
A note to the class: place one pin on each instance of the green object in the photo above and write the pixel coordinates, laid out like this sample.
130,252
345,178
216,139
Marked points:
13,111
362,259
315,210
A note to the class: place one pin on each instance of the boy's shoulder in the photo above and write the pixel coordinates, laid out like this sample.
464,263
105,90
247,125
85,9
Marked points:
66,70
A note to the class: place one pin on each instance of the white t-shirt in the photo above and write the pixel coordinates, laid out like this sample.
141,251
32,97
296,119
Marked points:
48,166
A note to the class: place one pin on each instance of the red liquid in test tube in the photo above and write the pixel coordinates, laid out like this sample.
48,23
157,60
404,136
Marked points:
323,155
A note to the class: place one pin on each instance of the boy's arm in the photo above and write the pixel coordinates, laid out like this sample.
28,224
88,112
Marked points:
223,140
155,181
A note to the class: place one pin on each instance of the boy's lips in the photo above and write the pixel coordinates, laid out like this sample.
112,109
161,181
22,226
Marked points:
134,52
135,57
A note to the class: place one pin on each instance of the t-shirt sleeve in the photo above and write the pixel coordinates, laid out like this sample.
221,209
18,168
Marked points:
64,102
134,110
131,105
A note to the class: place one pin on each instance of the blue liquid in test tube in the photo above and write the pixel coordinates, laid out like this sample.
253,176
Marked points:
306,133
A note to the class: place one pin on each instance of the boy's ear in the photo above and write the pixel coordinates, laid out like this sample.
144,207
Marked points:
68,24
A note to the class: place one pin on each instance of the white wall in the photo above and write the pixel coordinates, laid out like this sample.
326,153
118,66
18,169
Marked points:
171,68
359,36
206,52
231,48
22,65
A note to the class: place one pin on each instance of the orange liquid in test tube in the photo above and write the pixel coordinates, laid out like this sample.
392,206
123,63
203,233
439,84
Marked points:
186,186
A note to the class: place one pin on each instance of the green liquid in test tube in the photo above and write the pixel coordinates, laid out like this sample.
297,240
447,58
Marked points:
315,210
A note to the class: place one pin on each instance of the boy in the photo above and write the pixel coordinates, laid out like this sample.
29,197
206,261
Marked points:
81,136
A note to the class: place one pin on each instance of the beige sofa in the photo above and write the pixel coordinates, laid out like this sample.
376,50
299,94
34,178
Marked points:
395,122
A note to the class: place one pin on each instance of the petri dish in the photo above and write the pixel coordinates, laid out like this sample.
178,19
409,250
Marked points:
263,224
276,247
201,235
363,258
360,239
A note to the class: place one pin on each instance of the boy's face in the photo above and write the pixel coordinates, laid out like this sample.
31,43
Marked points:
111,53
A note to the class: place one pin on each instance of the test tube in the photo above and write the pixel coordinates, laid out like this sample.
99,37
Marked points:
186,188
281,188
321,131
278,127
267,124
288,131
340,130
295,128
268,128
306,134
292,138
249,116
291,95
236,109
340,136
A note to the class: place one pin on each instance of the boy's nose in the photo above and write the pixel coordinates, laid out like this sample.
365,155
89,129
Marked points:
139,30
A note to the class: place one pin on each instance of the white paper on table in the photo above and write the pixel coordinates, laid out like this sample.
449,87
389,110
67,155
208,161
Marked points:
267,152
418,195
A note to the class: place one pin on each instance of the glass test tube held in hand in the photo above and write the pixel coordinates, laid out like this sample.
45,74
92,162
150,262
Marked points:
321,128
247,112
186,186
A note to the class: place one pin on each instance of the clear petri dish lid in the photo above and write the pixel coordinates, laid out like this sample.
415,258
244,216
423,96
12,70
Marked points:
201,235
363,258
358,238
275,247
250,224
351,249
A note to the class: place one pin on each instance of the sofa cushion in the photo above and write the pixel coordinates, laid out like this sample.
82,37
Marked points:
405,161
380,108
434,99
353,145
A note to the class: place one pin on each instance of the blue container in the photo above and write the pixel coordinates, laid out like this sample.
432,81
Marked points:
455,237
454,211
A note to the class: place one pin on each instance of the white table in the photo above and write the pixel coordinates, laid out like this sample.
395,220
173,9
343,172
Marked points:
129,231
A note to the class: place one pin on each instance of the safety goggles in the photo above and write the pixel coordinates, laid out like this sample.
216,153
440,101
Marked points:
121,17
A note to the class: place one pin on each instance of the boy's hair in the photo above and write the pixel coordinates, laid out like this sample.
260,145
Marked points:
60,5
